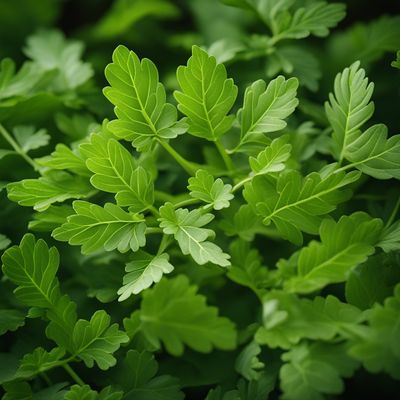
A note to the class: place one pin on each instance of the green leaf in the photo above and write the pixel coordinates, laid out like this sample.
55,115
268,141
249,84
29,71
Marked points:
4,242
22,391
51,51
273,158
296,204
344,245
96,340
379,349
396,63
142,272
390,238
288,319
50,219
140,101
173,313
29,139
373,281
349,107
214,192
39,361
78,392
94,227
265,108
247,364
53,187
374,154
187,228
314,19
116,171
206,95
311,372
139,381
10,320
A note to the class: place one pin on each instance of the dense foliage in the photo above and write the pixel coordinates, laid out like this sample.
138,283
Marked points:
224,229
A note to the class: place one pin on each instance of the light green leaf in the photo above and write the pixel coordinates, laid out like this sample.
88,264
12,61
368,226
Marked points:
95,227
390,238
10,320
4,242
140,101
78,392
187,228
247,363
314,19
50,219
96,340
396,63
273,158
379,348
349,107
173,313
206,95
116,171
30,139
374,154
142,272
296,204
288,319
344,245
266,107
214,192
53,187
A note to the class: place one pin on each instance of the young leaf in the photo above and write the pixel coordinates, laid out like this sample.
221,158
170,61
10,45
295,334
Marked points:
142,272
314,19
266,107
173,313
187,228
247,364
378,349
396,63
95,341
374,154
214,192
116,171
344,245
95,227
349,107
295,204
4,242
78,392
206,95
28,139
140,101
53,187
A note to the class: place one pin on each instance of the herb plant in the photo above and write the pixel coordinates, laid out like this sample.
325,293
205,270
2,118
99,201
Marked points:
226,239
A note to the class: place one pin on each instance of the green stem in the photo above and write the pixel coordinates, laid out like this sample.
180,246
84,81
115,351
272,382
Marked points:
165,242
46,378
185,164
73,374
393,214
18,148
187,202
154,211
241,183
153,230
225,156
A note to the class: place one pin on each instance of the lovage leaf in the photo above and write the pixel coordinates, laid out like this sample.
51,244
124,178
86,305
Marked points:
95,227
116,171
266,107
173,313
206,96
30,139
212,191
187,228
344,245
140,101
295,204
142,272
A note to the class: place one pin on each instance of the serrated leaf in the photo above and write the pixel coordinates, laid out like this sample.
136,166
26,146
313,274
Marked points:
344,245
116,171
296,204
30,139
110,227
265,108
96,340
53,187
173,313
187,228
314,19
390,238
50,219
10,320
288,319
349,107
206,95
140,101
78,392
142,272
374,154
22,391
273,158
214,192
247,363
